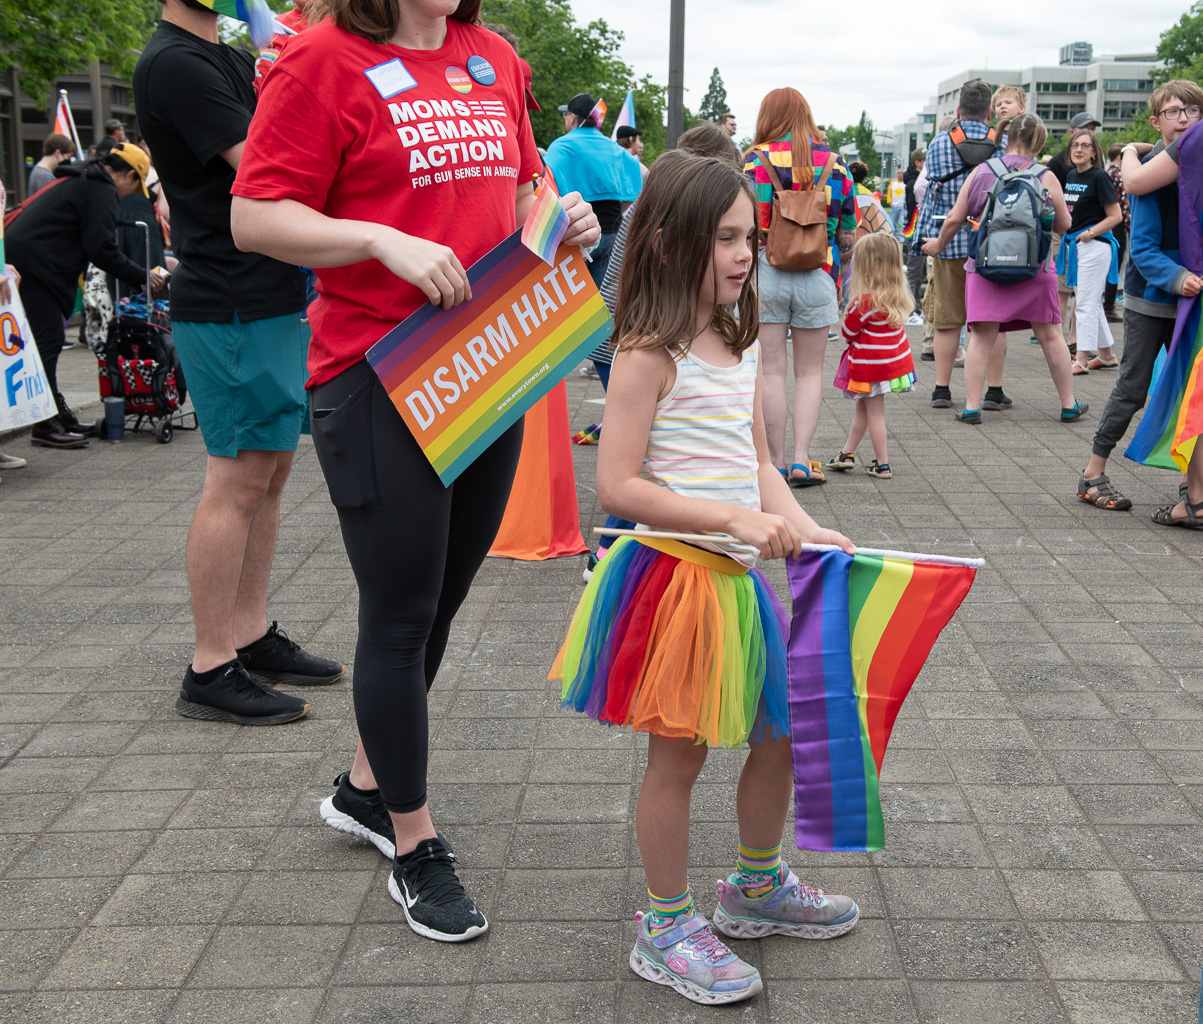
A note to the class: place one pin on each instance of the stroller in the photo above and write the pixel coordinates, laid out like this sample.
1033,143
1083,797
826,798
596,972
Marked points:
138,361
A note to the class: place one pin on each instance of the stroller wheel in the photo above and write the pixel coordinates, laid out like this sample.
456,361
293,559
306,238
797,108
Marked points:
164,432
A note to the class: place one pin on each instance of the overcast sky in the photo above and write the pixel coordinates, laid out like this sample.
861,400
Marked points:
886,58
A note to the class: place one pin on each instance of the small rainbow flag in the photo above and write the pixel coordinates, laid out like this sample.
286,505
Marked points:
255,13
863,625
598,113
546,223
909,230
64,123
626,114
1173,420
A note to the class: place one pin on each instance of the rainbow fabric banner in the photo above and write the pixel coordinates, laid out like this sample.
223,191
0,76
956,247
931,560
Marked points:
255,13
546,223
461,376
1173,420
909,230
863,625
626,114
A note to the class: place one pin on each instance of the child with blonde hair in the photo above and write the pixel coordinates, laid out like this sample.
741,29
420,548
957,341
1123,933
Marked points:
878,358
687,641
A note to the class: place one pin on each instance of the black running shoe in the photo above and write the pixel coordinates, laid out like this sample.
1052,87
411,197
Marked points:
273,658
995,400
235,697
941,397
436,906
361,814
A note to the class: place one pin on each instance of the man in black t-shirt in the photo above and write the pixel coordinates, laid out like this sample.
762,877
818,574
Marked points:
239,328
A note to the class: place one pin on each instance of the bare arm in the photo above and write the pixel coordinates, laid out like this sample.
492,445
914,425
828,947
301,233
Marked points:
233,155
1114,216
1141,179
1062,218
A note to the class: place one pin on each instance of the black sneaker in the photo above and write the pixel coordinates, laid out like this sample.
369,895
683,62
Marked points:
233,696
273,658
360,814
995,400
436,906
941,397
928,357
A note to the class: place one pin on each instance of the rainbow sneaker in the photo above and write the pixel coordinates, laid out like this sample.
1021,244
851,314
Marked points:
789,908
689,957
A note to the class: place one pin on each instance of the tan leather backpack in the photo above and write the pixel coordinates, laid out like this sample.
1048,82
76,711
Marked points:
797,236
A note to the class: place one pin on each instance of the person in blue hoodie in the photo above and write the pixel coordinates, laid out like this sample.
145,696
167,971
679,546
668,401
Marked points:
1152,284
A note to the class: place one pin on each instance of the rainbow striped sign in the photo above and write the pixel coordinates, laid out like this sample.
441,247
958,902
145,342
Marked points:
863,625
461,376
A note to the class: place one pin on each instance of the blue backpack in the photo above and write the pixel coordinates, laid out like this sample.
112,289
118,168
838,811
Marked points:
1011,242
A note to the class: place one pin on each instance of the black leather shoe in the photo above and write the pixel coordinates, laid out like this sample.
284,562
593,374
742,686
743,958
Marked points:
70,421
52,434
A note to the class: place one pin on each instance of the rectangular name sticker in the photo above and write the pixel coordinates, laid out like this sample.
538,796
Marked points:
390,78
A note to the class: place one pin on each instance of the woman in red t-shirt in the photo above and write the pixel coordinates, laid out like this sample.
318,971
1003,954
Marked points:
387,151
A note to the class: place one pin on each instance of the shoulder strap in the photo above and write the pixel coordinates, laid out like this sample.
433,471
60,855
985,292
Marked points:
832,160
1000,169
774,177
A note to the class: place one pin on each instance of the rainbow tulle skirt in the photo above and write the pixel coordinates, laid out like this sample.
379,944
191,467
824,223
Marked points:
679,642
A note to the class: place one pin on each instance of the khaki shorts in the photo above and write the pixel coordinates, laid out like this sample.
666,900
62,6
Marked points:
1062,287
948,300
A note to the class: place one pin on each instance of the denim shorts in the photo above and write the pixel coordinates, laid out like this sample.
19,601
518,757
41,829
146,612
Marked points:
246,381
800,298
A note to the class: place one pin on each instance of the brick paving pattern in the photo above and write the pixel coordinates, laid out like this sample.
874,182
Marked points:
1043,790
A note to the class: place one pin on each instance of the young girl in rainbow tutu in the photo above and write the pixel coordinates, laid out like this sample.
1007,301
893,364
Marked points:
687,641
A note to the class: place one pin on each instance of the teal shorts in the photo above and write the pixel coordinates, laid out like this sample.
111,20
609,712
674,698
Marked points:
246,381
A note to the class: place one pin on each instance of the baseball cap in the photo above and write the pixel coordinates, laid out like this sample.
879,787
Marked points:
138,160
626,131
112,124
918,154
581,104
1084,120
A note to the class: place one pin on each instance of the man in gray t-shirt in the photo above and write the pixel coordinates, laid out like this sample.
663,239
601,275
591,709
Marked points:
55,150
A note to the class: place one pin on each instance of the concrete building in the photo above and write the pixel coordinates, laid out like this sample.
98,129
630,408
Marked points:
1112,89
95,94
905,138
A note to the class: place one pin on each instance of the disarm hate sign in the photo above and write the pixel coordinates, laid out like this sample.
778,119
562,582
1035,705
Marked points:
462,376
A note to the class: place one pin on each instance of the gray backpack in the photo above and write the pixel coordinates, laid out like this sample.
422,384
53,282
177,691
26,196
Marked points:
1011,242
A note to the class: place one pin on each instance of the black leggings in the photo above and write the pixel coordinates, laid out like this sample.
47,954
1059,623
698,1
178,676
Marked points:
46,321
415,547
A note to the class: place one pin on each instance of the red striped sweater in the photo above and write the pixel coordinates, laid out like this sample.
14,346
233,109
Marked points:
876,351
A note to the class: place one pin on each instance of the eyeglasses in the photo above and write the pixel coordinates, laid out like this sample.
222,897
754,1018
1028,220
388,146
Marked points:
1175,113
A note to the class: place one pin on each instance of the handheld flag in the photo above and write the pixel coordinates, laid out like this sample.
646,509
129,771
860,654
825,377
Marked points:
64,123
626,114
1173,421
863,625
546,223
255,13
598,113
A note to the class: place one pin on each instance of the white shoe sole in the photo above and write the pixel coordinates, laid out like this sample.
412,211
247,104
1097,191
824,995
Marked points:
655,973
743,928
429,933
335,818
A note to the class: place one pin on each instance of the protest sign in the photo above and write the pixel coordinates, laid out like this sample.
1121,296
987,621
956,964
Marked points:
26,397
461,376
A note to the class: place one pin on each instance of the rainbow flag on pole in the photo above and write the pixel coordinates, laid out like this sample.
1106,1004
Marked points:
546,223
64,123
598,113
626,114
863,625
1173,420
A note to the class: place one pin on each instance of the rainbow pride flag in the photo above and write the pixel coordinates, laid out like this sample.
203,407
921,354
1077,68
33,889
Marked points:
909,230
546,223
1173,420
626,114
255,13
598,113
863,625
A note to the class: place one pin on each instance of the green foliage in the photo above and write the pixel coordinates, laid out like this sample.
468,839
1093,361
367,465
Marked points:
862,135
46,39
714,103
1181,47
1139,130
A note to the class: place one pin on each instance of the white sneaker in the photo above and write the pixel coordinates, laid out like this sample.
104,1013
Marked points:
960,359
11,461
914,320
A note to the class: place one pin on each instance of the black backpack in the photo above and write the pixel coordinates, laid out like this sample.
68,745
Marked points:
1011,242
971,151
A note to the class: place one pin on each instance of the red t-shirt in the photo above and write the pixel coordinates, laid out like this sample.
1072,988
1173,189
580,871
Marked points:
430,142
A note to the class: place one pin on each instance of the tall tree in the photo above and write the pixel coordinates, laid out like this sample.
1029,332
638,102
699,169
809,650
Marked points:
1181,47
46,39
862,135
714,103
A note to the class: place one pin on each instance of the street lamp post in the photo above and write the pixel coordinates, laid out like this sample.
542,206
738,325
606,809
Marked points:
676,71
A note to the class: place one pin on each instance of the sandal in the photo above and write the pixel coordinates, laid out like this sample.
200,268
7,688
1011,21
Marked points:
881,469
1191,521
842,461
1102,364
1076,413
1104,496
816,468
807,481
1080,369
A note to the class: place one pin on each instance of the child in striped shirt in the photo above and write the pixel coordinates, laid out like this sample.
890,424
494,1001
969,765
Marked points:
878,358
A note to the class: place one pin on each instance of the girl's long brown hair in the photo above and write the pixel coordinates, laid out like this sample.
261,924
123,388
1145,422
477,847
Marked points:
670,247
785,111
376,20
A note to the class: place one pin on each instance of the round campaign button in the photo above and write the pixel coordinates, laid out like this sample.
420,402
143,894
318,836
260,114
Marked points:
458,79
481,70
